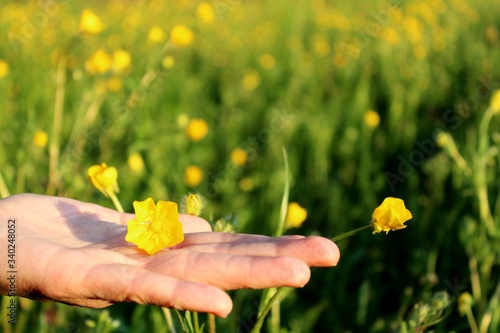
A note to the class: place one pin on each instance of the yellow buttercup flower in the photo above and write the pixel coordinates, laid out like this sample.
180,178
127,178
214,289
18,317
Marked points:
205,13
390,215
156,34
495,101
99,62
193,176
121,61
295,215
267,61
40,139
104,178
196,129
465,301
136,162
155,227
90,22
251,80
192,204
181,35
239,157
114,84
4,68
371,118
168,62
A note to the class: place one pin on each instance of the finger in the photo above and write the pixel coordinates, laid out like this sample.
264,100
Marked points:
124,283
314,251
231,272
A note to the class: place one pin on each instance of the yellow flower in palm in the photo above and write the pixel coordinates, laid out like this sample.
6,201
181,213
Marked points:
155,227
90,22
205,13
390,215
196,129
40,139
295,215
193,176
181,35
104,178
99,62
4,68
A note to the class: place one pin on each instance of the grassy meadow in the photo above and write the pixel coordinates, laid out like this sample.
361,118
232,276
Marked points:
368,99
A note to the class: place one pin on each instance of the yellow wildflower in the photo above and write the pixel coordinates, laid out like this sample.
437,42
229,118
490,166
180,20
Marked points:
168,62
495,101
181,35
267,61
90,22
99,62
464,303
136,163
192,204
155,227
156,34
390,215
182,120
205,13
246,184
121,61
251,80
239,157
295,215
104,178
371,118
4,68
321,46
196,129
193,176
40,139
114,84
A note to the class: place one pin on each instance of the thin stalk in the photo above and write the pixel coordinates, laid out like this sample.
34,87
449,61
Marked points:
56,126
168,319
196,322
471,320
211,323
492,306
262,316
349,233
4,190
474,278
116,202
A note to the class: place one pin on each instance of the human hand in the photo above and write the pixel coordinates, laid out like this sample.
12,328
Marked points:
75,252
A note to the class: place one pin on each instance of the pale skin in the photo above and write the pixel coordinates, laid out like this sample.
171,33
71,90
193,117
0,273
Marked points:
75,252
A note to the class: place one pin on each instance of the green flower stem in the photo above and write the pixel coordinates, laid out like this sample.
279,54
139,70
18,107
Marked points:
260,320
116,202
471,320
349,233
168,319
211,323
4,191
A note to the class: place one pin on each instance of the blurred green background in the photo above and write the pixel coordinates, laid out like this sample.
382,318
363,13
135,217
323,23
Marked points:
369,99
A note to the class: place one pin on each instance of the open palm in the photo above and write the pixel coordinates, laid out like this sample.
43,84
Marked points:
75,252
